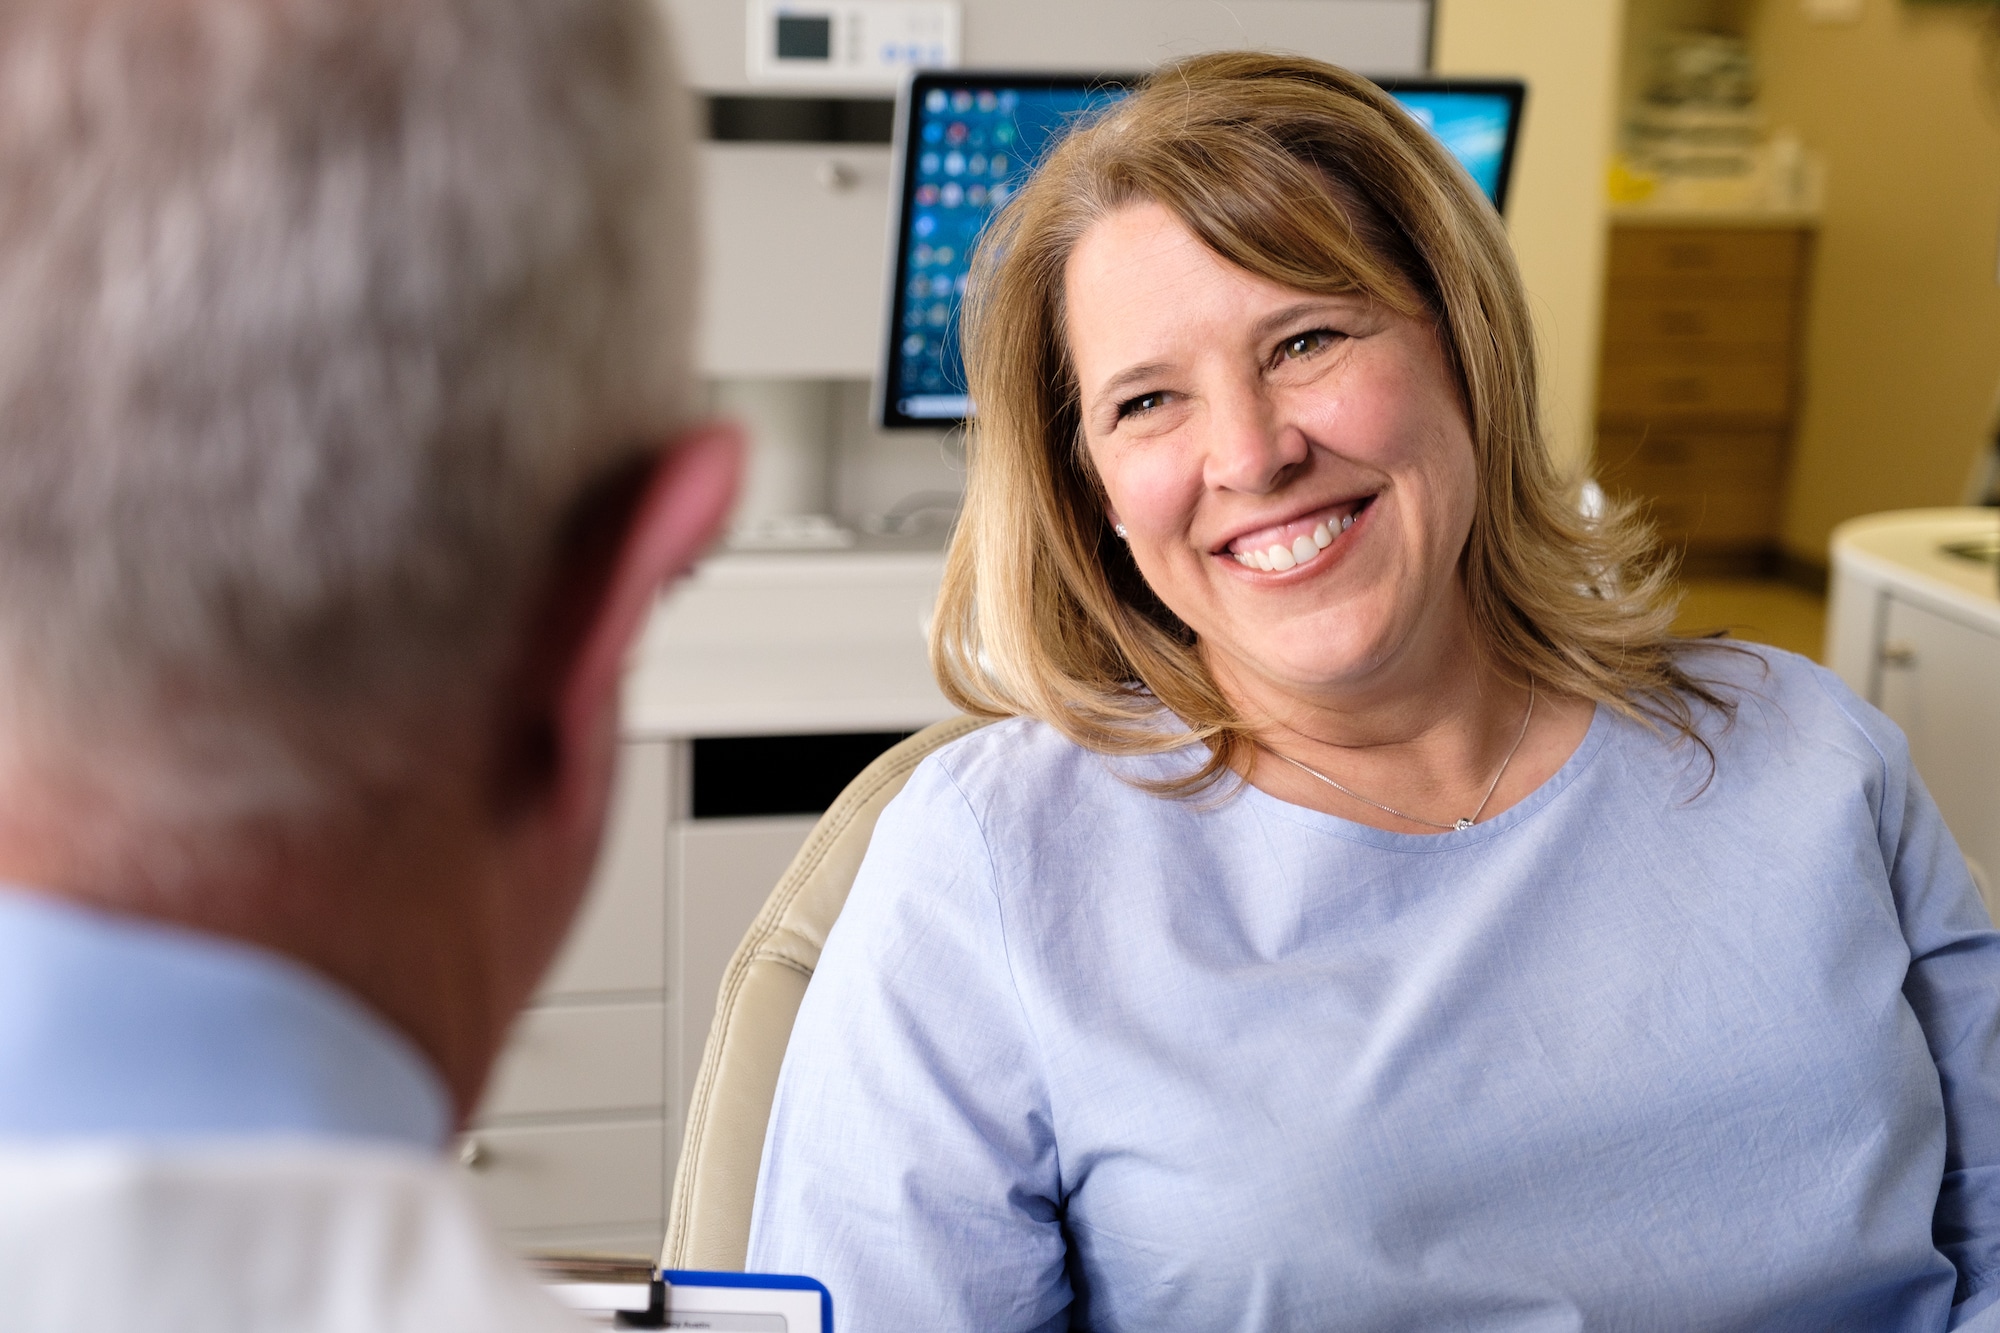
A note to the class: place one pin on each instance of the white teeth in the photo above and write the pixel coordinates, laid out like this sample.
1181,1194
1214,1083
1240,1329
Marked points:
1278,557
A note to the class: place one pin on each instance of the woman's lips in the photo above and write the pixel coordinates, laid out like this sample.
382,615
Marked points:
1277,549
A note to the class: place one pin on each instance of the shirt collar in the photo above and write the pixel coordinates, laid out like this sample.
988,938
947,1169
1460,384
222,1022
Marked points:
113,1025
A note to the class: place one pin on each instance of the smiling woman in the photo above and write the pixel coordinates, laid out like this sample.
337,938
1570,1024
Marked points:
1304,218
1368,916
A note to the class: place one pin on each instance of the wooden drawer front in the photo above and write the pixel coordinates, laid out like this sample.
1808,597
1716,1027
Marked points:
597,1057
1649,390
1774,358
1684,321
1704,488
1721,519
1774,255
606,1174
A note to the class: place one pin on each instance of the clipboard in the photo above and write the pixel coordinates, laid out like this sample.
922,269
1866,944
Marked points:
734,1303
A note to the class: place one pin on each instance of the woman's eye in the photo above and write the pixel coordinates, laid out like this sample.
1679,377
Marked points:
1302,345
1145,402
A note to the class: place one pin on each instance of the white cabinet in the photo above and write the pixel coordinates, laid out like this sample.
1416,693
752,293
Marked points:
570,1148
1940,682
575,1144
794,242
1915,629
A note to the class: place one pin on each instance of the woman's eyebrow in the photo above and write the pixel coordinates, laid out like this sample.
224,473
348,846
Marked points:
1128,377
1278,319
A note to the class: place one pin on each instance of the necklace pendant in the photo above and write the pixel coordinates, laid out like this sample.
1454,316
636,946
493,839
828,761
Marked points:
1461,826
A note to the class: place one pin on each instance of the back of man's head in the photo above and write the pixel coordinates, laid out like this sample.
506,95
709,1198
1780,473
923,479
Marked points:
322,320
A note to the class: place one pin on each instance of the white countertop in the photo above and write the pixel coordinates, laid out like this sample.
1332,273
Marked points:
1904,548
768,644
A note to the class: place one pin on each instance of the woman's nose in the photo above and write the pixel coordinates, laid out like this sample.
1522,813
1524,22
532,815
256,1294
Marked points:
1251,447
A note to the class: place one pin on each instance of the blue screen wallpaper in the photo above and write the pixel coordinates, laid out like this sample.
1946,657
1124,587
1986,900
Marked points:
975,147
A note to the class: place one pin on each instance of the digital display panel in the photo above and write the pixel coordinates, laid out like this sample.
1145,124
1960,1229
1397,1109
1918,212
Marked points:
970,140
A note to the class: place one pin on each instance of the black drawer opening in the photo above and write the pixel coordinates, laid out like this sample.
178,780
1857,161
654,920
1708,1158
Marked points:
739,776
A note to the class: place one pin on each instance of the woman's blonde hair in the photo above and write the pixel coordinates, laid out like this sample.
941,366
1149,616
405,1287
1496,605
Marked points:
1308,176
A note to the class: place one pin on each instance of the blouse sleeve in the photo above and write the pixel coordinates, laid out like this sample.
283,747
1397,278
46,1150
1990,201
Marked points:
930,1198
1953,985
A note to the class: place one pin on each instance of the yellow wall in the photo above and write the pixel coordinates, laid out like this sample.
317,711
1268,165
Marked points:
1904,347
1568,51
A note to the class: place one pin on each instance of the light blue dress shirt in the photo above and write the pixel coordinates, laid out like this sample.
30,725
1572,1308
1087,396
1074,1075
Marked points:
112,1026
1647,1051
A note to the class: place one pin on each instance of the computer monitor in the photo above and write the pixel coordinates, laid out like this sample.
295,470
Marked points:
966,140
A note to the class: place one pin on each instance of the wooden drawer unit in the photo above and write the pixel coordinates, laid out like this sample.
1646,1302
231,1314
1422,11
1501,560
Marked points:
1697,381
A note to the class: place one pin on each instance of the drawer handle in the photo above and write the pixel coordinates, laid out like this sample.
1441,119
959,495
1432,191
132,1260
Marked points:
838,176
1896,653
474,1155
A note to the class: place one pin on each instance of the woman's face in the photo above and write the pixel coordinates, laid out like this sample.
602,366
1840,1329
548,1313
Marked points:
1294,472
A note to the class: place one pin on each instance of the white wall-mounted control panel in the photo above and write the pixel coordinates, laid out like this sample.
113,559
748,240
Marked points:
860,43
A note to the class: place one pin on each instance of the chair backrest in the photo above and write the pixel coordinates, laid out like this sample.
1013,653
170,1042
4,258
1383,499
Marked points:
708,1224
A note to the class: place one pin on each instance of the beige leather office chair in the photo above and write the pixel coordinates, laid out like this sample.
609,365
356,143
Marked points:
708,1224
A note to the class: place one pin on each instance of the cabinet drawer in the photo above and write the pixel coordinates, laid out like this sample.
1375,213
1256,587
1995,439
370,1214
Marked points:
1695,459
728,868
1687,252
1772,358
1719,488
1652,390
1721,519
596,1057
620,940
1682,320
569,1176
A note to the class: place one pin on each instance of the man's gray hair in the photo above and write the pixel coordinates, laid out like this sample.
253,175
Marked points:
318,319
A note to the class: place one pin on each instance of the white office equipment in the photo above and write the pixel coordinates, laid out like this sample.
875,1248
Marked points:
1913,626
863,43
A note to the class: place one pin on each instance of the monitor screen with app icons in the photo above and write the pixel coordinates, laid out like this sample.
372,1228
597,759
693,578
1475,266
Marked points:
966,141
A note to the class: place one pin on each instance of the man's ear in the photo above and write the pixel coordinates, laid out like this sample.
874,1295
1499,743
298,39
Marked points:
640,531
682,509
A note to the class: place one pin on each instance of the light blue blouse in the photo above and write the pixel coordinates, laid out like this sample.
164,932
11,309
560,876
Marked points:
1642,1052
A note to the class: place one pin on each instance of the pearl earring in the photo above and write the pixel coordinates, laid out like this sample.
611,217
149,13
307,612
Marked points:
1119,528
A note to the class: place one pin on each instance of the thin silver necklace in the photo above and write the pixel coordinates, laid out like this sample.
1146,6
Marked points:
1465,823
